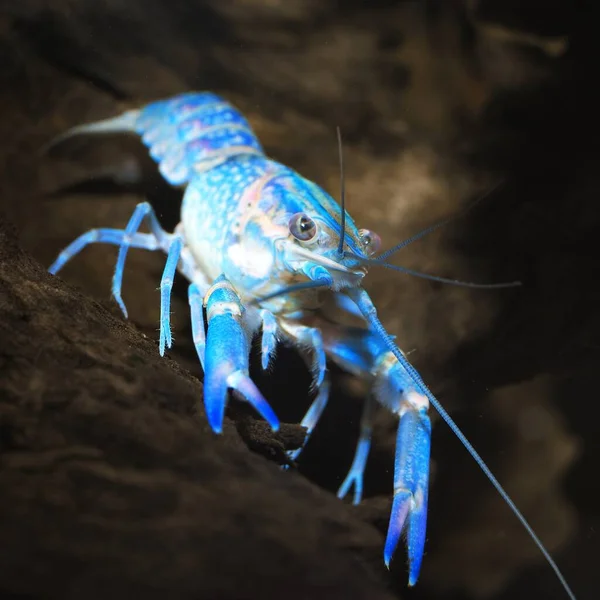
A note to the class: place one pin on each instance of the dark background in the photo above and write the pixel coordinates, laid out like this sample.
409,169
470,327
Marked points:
111,481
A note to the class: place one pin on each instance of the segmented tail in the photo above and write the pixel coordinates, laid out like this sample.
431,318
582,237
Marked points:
187,134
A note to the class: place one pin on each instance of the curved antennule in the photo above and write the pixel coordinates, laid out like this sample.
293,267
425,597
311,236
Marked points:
367,308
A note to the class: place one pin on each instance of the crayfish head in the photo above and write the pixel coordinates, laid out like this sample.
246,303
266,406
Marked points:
302,225
311,251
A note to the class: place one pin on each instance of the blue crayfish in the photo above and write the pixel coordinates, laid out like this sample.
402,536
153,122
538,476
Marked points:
264,250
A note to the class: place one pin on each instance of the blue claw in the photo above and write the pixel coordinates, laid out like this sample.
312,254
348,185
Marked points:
227,356
411,481
363,352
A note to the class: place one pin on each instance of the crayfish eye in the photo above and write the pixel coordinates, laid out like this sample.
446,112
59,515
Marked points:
302,227
371,241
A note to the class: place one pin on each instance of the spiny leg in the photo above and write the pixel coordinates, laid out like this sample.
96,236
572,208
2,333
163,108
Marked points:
144,241
226,356
166,286
117,237
143,211
309,340
312,416
196,314
359,462
196,291
310,343
355,350
269,337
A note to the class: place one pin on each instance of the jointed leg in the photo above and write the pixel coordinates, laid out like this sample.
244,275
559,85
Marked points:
312,416
166,286
310,343
356,474
196,314
143,211
117,237
157,239
269,337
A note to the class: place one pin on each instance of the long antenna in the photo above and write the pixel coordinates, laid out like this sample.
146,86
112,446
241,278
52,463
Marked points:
421,234
342,192
483,286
